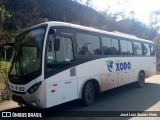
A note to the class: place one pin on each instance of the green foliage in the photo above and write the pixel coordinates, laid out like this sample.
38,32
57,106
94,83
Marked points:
155,19
6,37
4,17
4,67
157,43
4,14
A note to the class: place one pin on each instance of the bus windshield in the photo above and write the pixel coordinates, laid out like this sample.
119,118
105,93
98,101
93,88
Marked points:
28,56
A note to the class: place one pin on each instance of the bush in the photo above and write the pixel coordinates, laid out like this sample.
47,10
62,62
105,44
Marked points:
4,67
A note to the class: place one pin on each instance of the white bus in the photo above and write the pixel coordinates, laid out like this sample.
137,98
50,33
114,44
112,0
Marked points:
57,62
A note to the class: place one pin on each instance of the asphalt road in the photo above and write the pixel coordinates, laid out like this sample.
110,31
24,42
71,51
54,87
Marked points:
126,98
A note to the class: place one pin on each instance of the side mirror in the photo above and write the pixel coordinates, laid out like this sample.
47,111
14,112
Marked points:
56,44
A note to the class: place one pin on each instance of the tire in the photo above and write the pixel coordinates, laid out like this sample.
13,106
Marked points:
141,80
88,93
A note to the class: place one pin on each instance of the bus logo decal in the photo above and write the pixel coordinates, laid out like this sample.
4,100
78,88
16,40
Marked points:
120,66
109,65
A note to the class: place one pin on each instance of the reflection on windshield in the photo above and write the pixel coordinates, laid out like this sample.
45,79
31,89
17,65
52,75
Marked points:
29,53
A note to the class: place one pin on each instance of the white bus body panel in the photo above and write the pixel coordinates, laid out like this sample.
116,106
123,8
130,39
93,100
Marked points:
96,69
61,88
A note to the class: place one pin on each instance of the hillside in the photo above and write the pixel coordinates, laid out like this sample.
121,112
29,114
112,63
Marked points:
25,13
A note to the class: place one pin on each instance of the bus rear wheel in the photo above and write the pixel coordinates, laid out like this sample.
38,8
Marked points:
141,80
88,93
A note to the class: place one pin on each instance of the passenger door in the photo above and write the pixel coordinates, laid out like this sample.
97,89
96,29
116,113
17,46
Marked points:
60,68
69,85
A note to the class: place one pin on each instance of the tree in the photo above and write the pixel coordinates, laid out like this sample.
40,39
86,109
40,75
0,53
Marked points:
4,15
155,19
157,43
121,15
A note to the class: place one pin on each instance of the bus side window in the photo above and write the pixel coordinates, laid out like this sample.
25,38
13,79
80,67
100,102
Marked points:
123,44
50,49
146,49
65,53
137,48
126,47
152,48
107,46
88,44
115,47
110,46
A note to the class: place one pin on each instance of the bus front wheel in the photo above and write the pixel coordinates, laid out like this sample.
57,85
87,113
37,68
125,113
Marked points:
88,93
141,80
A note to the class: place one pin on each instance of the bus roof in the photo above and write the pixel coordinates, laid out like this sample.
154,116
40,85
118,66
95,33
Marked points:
116,33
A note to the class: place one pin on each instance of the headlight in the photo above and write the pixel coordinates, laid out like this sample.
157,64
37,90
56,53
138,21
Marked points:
34,88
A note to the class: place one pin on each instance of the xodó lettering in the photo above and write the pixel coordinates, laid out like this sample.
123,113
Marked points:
118,66
123,66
